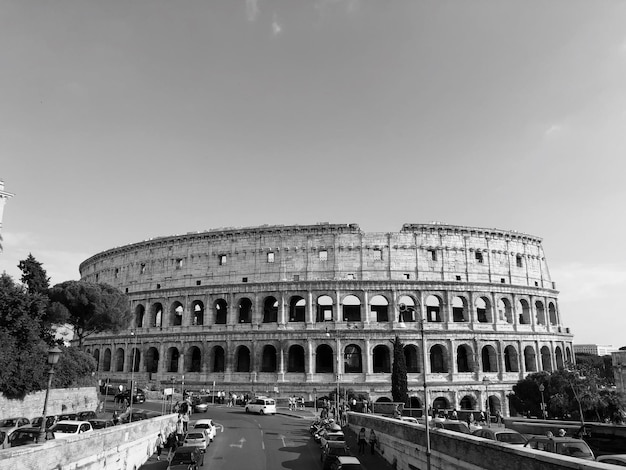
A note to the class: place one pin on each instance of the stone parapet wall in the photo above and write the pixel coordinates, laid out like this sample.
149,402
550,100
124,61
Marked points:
60,401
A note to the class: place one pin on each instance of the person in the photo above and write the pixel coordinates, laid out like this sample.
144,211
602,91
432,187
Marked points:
454,414
470,420
549,434
362,441
115,417
499,417
172,444
179,429
159,446
482,419
562,432
396,412
185,422
372,441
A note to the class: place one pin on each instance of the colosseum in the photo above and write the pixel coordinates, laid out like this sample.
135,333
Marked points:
307,309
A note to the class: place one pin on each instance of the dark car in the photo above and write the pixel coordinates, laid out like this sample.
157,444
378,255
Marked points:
101,423
50,421
27,435
136,416
186,458
138,397
331,451
87,415
561,445
68,417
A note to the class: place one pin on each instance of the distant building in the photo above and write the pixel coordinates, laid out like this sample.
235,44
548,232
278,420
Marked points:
618,360
597,349
4,197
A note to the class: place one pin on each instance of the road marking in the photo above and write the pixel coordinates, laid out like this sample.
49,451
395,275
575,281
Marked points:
240,445
282,438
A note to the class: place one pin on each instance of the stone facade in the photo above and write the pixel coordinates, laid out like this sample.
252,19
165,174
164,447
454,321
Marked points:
267,309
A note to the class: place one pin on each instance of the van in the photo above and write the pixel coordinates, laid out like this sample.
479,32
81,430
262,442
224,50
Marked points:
263,406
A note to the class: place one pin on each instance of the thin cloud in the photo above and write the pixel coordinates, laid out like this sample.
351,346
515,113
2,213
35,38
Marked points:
252,9
277,28
553,129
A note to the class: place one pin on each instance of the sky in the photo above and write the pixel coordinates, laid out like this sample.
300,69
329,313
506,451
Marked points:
126,120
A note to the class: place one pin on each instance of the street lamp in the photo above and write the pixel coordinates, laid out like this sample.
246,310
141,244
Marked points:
132,385
543,403
53,357
487,411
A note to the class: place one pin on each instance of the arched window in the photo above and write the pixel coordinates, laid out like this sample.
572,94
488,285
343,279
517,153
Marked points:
541,313
176,314
324,308
406,309
245,310
546,360
468,402
134,359
489,359
379,306
295,359
530,361
433,308
268,359
106,366
140,311
242,359
505,312
156,315
324,359
270,310
381,360
464,362
96,356
552,314
411,359
441,403
483,310
351,308
172,359
119,360
438,362
511,363
568,355
221,311
297,309
152,360
352,359
198,313
459,309
524,312
558,353
193,360
218,359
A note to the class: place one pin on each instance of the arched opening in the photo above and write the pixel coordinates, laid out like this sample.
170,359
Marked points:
324,308
218,359
441,403
351,306
552,314
468,402
297,309
541,313
268,359
197,308
381,360
459,309
494,405
464,362
379,307
411,359
119,360
524,312
483,310
505,312
406,309
324,362
172,359
221,311
245,311
568,355
134,359
415,403
242,359
193,359
438,363
176,314
96,356
433,308
352,359
106,364
511,363
558,354
295,359
530,359
489,359
546,362
140,311
152,360
156,315
270,310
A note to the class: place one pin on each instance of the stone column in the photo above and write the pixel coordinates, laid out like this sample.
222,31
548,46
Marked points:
310,308
367,307
310,358
368,358
282,312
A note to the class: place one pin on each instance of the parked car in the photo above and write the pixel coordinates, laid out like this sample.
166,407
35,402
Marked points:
561,445
331,451
197,439
9,424
617,459
87,415
456,426
137,415
506,436
208,427
332,436
101,423
65,429
346,463
603,438
186,458
409,419
201,407
50,421
138,396
263,406
27,435
68,417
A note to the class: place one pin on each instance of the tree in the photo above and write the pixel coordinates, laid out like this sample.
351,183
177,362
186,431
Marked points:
90,308
399,382
34,276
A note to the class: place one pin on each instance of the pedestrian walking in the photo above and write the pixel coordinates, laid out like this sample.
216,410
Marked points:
373,441
179,429
159,446
362,441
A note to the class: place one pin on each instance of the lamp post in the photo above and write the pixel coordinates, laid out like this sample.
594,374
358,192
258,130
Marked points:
53,357
486,382
425,409
132,384
543,403
315,400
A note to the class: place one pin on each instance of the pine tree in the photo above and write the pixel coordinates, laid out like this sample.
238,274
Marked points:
34,275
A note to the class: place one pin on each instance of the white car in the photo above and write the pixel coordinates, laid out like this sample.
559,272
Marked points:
208,427
263,406
65,429
196,438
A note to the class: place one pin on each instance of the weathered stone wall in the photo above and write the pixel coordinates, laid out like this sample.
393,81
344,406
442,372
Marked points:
124,447
60,401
